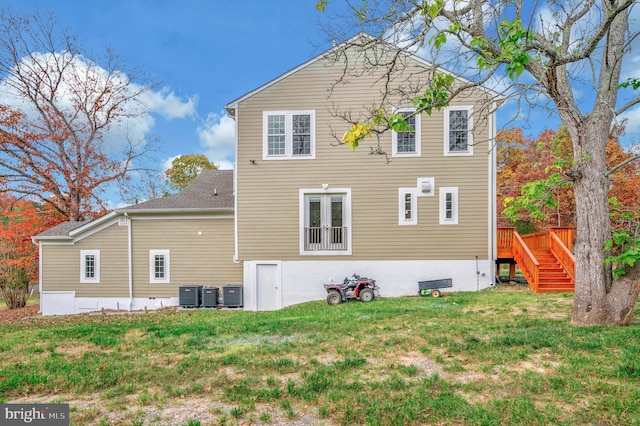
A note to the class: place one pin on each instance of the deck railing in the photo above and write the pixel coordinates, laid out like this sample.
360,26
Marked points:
565,235
560,250
505,242
537,241
526,260
325,238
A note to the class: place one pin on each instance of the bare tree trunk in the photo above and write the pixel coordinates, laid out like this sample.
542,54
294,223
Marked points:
598,299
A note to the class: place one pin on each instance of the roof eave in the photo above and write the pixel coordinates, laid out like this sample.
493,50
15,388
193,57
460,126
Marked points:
92,224
37,238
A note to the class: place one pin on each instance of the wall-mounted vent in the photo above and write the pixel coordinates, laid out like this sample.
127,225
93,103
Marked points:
426,186
232,295
190,296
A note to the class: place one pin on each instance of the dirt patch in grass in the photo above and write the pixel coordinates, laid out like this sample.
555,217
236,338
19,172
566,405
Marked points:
76,350
176,411
426,366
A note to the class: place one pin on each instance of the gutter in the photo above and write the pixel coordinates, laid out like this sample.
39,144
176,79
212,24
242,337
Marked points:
176,211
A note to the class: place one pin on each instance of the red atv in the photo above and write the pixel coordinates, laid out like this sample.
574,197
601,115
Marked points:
354,287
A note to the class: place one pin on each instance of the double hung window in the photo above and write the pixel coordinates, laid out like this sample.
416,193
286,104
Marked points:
407,143
458,130
288,134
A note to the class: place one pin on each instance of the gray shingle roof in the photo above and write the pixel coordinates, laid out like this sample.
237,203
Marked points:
211,189
62,230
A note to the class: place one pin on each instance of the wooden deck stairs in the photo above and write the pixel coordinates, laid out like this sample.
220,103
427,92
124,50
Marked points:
544,258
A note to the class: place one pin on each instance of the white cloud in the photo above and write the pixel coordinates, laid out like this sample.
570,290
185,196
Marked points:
170,106
166,164
217,137
135,117
633,121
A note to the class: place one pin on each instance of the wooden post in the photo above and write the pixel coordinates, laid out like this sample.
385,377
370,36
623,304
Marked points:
512,270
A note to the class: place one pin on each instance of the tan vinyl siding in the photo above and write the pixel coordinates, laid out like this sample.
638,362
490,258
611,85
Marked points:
268,192
61,265
201,252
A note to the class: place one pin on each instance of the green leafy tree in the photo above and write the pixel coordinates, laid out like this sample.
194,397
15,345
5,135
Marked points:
544,53
185,168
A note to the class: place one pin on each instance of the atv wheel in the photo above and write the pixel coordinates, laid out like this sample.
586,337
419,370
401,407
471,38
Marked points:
334,298
435,293
366,295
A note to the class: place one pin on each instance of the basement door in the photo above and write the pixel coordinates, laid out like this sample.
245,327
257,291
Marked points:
268,291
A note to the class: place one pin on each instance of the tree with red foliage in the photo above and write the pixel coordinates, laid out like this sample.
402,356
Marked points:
524,161
525,167
56,136
18,255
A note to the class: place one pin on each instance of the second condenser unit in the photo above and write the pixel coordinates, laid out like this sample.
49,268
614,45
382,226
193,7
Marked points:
209,297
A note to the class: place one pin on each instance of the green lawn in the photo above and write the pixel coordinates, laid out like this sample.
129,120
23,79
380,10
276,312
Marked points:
495,357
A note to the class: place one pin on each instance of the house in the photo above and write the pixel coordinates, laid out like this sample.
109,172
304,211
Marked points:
309,210
301,209
137,257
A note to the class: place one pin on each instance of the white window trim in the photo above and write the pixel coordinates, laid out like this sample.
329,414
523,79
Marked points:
167,266
83,265
417,131
443,219
346,220
469,150
401,206
288,117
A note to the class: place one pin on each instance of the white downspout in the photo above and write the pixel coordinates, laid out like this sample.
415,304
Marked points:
40,274
130,255
235,190
493,125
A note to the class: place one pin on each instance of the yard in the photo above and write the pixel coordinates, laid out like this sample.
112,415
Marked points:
498,357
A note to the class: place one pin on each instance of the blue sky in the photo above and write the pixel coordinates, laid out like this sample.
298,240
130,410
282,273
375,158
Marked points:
204,54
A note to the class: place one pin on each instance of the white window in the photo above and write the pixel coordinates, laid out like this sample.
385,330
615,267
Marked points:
407,206
288,134
89,266
159,266
458,130
449,206
407,143
325,222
